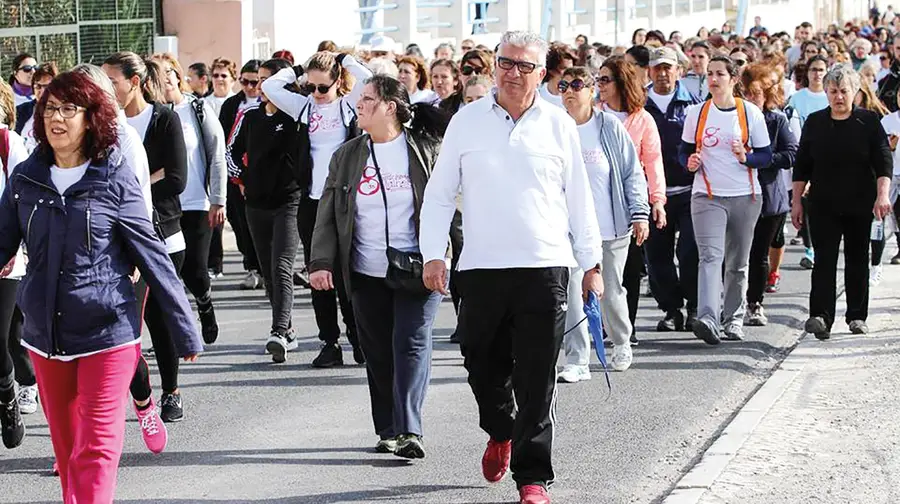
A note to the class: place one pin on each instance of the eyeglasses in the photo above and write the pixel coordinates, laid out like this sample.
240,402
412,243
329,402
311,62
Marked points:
469,69
250,83
575,85
605,79
321,88
525,67
220,76
739,62
66,111
28,68
883,58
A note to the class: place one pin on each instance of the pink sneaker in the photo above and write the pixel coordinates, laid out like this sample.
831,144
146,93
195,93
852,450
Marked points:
152,428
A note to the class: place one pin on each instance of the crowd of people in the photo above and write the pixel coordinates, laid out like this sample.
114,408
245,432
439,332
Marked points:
520,180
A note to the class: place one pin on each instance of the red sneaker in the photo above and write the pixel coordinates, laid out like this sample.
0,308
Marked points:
534,494
772,282
495,463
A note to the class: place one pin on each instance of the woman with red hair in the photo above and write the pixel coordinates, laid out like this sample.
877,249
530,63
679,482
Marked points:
84,223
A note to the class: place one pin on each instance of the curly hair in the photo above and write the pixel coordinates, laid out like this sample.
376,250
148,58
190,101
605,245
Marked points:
225,64
7,105
556,54
764,75
418,63
100,113
325,61
627,83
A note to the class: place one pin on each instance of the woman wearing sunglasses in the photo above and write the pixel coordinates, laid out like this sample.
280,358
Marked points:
327,117
20,80
223,75
476,62
623,96
620,197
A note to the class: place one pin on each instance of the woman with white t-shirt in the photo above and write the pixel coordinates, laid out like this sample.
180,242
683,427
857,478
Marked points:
621,202
44,74
413,74
368,226
203,198
224,74
725,139
327,118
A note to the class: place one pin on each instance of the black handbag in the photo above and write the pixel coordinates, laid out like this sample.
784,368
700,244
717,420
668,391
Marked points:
405,269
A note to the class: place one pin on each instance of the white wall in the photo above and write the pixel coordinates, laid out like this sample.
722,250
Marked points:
300,25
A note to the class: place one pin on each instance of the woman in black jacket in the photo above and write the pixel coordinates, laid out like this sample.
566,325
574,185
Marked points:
269,180
762,87
139,90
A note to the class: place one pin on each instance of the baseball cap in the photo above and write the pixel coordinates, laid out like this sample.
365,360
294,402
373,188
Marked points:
663,55
382,43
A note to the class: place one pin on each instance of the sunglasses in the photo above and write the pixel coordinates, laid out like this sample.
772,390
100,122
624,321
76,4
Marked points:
469,69
220,76
525,67
321,88
605,79
28,68
575,85
883,58
248,82
740,62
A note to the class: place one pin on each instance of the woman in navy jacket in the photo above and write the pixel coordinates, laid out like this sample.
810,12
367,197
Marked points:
85,226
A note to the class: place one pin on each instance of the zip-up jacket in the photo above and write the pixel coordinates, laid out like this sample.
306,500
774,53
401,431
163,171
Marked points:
77,297
642,130
164,143
889,86
670,124
23,114
784,151
212,137
697,85
229,112
262,155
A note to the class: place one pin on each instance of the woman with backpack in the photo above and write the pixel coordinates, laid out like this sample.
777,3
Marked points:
326,118
203,198
725,139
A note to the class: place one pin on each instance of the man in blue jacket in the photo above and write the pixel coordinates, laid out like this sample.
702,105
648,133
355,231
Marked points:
667,102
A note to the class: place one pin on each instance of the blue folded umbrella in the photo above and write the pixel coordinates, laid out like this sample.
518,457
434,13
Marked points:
595,327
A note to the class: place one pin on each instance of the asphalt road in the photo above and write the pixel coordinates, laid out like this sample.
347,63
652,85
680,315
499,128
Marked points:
259,432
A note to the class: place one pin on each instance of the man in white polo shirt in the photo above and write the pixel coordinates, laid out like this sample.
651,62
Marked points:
517,161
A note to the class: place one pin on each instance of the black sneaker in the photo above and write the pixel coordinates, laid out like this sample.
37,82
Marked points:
704,331
386,445
11,424
689,321
330,355
208,324
633,339
410,446
279,344
171,408
674,321
454,338
358,356
816,326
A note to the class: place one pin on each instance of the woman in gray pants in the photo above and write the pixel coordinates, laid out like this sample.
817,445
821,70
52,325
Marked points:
726,140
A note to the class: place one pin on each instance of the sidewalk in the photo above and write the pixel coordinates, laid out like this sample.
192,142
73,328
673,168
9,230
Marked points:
824,429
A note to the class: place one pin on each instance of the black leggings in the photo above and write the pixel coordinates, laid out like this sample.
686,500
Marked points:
758,272
15,364
631,279
163,344
197,238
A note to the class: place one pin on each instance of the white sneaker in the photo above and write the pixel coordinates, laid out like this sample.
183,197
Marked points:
574,373
621,357
874,275
28,399
252,281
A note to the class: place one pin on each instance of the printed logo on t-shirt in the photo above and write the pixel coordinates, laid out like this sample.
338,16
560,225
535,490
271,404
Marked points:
320,124
368,185
592,156
711,136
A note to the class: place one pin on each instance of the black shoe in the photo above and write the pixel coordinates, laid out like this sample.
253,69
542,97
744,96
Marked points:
704,331
454,338
208,324
689,321
674,321
386,445
633,339
171,408
358,356
11,424
329,356
816,326
859,327
410,446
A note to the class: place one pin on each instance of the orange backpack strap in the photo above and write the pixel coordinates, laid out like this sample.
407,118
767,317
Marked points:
698,136
745,138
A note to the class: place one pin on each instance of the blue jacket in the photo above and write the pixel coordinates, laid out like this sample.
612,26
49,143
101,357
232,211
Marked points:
784,151
77,297
670,124
23,114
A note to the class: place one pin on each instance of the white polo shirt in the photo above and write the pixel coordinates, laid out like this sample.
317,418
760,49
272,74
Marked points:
524,188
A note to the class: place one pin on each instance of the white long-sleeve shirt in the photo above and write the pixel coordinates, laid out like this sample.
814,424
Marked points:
525,191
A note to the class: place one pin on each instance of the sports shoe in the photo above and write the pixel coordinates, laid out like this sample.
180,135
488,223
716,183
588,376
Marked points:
252,281
153,429
410,446
28,399
796,240
733,333
816,326
633,340
454,338
358,356
495,462
756,316
279,344
533,494
674,321
772,282
573,373
11,424
896,259
621,357
172,409
386,445
330,355
859,327
689,321
213,274
875,273
208,324
809,260
706,332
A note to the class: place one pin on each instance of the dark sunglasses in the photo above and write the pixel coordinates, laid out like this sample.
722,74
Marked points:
575,85
220,76
248,82
28,68
605,79
740,62
469,69
525,67
883,58
321,88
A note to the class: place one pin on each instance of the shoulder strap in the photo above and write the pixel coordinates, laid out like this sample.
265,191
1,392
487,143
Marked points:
4,151
387,233
197,105
701,124
742,120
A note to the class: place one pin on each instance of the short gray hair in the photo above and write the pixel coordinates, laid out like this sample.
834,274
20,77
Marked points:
98,76
445,45
843,74
521,38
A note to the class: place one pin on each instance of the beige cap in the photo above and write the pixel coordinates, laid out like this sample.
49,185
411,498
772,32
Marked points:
663,55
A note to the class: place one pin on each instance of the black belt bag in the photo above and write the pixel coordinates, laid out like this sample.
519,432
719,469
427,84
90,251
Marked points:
405,269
